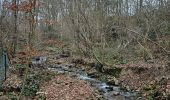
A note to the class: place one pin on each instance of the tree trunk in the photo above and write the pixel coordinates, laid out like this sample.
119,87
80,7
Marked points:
32,24
14,42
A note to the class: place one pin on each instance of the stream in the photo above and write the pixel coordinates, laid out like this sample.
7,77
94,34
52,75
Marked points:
109,92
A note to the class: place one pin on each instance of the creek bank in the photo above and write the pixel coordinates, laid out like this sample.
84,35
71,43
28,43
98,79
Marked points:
132,77
152,81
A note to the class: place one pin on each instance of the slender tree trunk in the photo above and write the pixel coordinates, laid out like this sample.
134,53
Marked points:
140,5
32,24
14,42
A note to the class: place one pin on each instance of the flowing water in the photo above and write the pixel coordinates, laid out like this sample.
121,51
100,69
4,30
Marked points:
109,92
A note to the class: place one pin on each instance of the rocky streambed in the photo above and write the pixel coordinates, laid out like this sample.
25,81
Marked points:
107,91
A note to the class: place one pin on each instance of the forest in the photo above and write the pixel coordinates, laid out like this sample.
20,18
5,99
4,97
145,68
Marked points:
84,49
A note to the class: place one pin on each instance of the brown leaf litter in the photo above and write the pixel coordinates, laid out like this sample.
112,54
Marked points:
63,87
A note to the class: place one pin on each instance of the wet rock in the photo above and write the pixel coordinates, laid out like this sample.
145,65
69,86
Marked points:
68,65
101,91
39,60
93,75
115,93
61,72
116,82
109,88
112,81
83,69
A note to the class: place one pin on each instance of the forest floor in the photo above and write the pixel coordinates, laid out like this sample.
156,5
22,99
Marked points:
52,85
150,79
